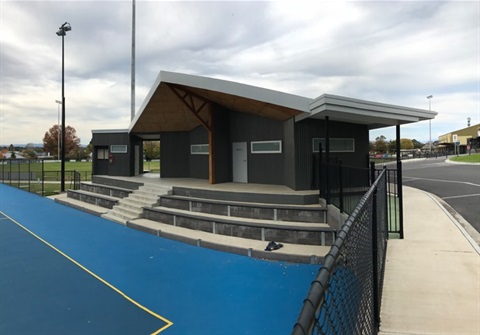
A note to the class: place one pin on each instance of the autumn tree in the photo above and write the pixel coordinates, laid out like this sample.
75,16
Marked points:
72,142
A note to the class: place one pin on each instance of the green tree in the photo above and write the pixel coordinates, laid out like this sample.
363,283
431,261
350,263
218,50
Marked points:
406,143
380,144
392,146
417,144
151,149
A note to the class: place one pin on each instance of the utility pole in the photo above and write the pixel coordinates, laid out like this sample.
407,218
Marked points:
132,96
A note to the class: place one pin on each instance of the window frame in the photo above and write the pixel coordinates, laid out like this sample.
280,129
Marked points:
332,140
278,151
118,148
200,146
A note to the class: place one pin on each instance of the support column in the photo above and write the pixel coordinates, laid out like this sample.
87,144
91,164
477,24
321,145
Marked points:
399,182
327,157
211,145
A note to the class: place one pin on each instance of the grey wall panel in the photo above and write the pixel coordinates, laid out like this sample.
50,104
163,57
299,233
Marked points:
223,146
122,164
289,154
174,155
262,168
198,164
307,161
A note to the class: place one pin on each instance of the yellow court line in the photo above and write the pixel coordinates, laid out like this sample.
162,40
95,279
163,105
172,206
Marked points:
168,322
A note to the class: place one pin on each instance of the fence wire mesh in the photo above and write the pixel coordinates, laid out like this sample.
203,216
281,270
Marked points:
32,176
345,296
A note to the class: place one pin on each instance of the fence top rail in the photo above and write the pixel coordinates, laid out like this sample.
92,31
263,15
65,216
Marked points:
319,286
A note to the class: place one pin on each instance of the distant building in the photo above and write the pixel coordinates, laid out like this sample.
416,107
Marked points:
467,139
18,155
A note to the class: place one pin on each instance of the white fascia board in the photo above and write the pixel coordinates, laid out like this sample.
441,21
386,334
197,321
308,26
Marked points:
243,90
362,107
109,131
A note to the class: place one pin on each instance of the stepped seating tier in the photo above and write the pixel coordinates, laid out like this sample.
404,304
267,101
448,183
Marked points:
216,216
276,212
257,229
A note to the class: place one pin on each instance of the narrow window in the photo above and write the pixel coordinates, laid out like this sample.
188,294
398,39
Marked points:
118,149
199,149
266,147
336,144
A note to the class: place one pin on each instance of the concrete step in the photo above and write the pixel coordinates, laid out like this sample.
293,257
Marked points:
308,254
80,205
127,211
144,197
291,232
153,190
134,203
115,218
277,212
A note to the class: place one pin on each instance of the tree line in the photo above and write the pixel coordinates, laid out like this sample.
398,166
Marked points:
381,145
51,146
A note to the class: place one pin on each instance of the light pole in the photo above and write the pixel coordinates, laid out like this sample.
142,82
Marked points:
430,122
62,31
58,127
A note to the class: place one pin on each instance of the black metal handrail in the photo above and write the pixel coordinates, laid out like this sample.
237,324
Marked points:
345,296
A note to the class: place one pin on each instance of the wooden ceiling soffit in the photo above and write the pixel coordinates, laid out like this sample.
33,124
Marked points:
188,98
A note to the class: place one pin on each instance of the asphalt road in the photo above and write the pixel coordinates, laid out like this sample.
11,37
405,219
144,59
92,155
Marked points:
457,184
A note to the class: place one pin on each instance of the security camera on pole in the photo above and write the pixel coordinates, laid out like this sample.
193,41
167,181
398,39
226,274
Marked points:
62,31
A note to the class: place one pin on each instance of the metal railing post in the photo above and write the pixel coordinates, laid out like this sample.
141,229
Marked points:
400,196
376,303
340,181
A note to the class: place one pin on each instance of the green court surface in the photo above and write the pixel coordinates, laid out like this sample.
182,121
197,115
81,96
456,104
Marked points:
67,272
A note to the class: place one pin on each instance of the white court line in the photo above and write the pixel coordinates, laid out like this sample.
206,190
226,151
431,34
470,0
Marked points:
442,181
462,196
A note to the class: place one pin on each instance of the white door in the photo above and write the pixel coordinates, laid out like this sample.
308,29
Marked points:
239,162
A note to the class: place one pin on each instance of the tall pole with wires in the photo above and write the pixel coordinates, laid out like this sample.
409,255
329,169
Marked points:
132,91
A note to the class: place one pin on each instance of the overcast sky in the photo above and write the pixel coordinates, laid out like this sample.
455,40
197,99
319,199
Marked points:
395,52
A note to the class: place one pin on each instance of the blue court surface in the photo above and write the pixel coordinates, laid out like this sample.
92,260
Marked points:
63,271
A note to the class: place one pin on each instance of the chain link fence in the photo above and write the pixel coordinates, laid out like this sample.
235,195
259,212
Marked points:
345,296
32,176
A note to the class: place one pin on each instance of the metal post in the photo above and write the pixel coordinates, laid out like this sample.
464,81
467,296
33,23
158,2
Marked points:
62,177
400,183
430,122
58,128
320,190
340,181
62,31
376,295
327,158
132,93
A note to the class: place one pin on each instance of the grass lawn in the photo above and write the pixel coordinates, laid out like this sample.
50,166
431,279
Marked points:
52,174
475,158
